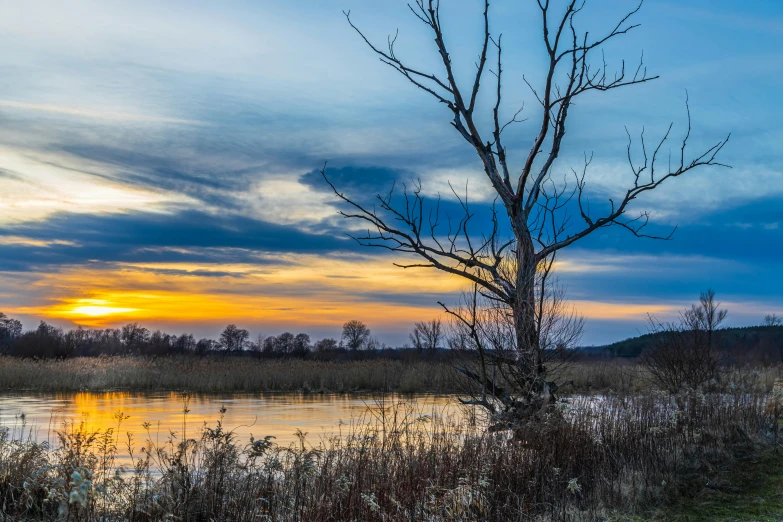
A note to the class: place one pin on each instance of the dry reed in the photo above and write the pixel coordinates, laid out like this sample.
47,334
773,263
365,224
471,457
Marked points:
593,457
222,375
248,375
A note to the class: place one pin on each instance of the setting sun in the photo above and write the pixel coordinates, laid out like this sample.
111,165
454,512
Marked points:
100,311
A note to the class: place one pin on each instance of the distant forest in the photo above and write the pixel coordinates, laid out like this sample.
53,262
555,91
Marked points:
751,343
428,340
356,342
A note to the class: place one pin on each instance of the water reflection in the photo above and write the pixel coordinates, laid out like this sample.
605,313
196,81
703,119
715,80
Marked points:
259,415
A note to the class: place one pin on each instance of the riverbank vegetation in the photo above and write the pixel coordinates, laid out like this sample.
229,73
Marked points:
620,457
222,375
248,375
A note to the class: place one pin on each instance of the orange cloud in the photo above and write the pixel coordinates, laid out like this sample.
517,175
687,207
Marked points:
301,291
621,311
316,292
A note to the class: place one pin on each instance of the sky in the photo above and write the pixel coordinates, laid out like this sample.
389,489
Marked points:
158,161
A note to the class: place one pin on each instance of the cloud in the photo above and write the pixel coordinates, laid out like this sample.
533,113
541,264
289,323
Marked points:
294,291
88,113
184,236
173,151
36,187
360,183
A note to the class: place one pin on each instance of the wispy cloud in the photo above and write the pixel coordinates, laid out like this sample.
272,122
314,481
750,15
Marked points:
97,114
156,158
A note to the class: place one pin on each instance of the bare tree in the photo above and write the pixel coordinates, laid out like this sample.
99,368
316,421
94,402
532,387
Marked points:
773,320
10,330
134,336
682,354
185,343
234,339
257,346
325,345
538,208
301,345
204,346
417,338
356,334
482,332
427,335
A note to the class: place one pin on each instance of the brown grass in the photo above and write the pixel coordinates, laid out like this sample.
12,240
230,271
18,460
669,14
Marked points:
622,454
221,375
247,375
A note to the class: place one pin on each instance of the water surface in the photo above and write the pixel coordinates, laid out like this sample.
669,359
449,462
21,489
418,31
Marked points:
156,415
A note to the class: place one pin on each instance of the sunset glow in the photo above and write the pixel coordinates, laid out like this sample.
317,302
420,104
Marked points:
170,176
100,311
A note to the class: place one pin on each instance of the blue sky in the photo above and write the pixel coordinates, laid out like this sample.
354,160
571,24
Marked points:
159,156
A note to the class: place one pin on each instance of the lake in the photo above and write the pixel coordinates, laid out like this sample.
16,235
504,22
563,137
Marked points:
259,415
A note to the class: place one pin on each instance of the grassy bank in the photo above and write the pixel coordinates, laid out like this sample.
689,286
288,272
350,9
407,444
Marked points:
248,375
635,457
750,490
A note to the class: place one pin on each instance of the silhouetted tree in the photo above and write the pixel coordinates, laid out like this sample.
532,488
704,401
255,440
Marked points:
326,345
159,343
76,341
185,343
233,339
772,320
285,343
134,337
270,345
417,339
301,345
258,345
544,213
10,330
355,334
46,341
427,335
374,344
108,341
204,346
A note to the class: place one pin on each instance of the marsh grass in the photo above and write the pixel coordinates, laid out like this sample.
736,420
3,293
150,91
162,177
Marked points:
592,459
222,375
248,375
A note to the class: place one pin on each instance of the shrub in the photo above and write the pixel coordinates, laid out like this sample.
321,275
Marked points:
683,355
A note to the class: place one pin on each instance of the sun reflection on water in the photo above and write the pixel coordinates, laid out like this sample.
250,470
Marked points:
159,416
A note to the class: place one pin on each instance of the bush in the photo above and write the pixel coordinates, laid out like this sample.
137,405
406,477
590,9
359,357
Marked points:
683,355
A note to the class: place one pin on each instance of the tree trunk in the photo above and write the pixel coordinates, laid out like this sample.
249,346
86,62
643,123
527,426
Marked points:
524,308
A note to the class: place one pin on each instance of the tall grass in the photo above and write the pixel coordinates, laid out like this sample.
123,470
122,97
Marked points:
589,459
222,375
247,375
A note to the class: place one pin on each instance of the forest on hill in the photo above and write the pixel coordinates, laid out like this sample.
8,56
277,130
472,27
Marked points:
738,344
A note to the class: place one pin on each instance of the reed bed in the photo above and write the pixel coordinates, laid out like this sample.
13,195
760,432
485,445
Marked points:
248,375
590,459
223,375
628,376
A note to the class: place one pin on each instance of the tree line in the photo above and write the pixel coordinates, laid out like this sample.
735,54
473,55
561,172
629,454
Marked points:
48,341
